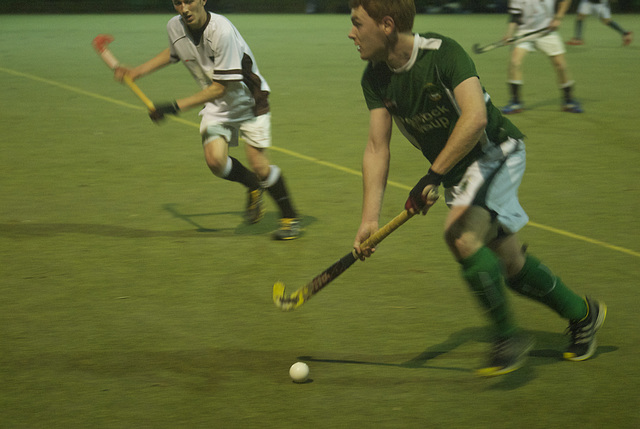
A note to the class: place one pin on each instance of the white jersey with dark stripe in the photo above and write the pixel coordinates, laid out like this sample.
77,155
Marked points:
532,15
221,55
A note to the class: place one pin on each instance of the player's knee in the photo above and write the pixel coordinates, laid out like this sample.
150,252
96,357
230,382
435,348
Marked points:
261,169
214,164
270,176
218,165
461,245
513,263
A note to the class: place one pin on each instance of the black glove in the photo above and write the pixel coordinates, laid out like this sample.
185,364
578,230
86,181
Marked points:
164,109
415,200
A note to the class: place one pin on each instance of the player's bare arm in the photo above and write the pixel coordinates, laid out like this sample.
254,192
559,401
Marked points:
563,7
210,93
469,127
464,137
159,61
375,170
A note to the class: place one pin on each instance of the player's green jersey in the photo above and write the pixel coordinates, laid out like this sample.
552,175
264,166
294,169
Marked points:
420,98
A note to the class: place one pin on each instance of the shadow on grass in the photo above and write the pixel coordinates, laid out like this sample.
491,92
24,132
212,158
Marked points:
32,229
548,351
550,104
267,224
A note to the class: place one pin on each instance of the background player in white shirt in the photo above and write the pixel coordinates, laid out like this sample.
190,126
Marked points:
602,10
235,99
528,16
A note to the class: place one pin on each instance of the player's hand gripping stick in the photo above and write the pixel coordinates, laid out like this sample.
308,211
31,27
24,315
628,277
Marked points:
302,295
100,44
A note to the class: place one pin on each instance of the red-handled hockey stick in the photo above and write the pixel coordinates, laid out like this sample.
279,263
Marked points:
100,45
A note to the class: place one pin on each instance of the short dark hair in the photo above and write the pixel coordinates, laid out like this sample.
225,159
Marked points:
402,11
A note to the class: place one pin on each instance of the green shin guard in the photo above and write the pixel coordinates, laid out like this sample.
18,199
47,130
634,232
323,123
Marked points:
537,282
483,273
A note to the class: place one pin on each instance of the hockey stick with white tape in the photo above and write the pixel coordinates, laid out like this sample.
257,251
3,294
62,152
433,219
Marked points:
100,45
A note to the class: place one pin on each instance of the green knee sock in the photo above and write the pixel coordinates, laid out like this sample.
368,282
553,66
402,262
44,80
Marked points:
536,281
483,273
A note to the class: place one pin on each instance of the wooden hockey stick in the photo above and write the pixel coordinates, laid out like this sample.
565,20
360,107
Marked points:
302,295
137,91
500,43
100,45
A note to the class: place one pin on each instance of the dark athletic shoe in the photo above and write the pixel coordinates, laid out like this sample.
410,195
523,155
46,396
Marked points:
572,106
289,229
255,207
507,355
512,108
583,332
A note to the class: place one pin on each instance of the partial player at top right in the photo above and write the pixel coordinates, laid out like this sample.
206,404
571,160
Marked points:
602,10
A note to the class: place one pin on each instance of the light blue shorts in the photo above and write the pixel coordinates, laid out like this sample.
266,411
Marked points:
492,182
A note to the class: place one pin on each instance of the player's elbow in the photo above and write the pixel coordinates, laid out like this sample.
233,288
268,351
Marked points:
477,120
481,122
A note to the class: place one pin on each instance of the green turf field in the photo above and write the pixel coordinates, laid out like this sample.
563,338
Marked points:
133,296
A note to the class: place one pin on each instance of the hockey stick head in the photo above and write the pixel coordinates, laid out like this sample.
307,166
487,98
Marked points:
306,292
101,41
476,48
286,303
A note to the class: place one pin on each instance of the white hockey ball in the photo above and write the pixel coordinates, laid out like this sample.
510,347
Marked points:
299,372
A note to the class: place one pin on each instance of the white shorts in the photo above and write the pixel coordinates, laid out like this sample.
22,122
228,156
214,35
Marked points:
550,44
255,131
602,11
492,182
